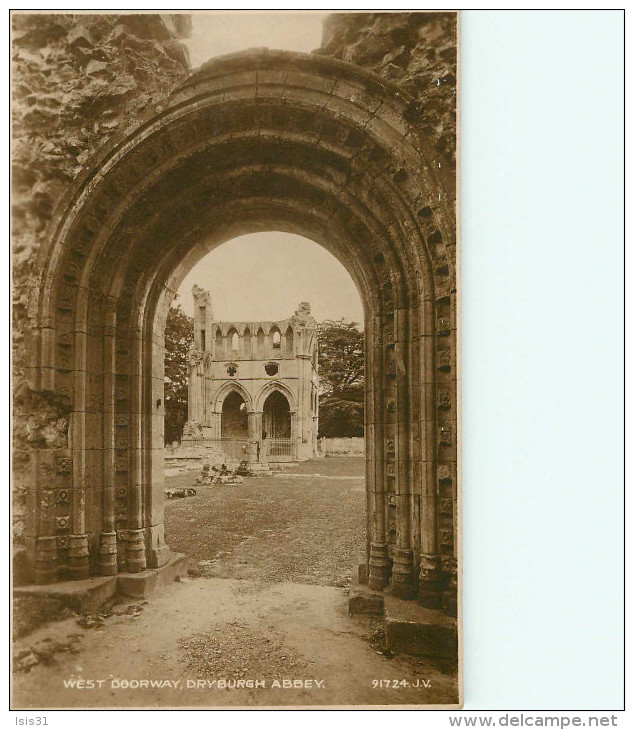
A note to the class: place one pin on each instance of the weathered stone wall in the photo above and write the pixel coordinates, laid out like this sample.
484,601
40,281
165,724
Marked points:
343,446
77,79
417,51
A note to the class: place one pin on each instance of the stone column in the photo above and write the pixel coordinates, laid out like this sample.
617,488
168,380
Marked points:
78,560
107,559
303,399
135,546
403,580
216,424
191,392
295,434
430,577
254,433
156,550
378,558
196,388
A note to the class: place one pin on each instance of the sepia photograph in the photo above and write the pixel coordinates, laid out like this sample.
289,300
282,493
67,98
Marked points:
316,366
236,474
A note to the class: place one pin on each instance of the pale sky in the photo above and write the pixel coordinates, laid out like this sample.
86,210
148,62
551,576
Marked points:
217,33
264,276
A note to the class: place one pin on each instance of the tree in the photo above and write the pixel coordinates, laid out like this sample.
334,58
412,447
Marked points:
341,373
179,339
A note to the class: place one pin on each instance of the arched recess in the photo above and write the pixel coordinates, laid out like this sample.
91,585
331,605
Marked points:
271,387
290,342
219,351
275,342
233,343
260,346
276,416
256,141
234,422
246,349
228,388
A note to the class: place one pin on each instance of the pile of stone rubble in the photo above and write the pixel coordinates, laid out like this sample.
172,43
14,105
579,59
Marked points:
214,474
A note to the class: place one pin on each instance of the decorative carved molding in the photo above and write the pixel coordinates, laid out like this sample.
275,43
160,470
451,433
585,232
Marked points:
443,359
195,357
444,473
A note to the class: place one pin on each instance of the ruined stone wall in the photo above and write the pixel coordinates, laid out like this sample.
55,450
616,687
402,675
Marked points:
418,52
77,79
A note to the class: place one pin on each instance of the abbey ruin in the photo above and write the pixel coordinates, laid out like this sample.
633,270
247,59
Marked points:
128,168
253,386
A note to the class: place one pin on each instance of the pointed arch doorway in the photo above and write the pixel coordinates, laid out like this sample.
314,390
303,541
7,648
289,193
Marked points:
234,421
277,427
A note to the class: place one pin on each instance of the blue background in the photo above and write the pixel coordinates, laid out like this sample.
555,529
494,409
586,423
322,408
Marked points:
542,350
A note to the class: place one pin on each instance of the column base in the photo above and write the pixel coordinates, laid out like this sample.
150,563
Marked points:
379,566
403,584
135,551
430,582
46,568
107,560
450,603
450,593
78,557
158,552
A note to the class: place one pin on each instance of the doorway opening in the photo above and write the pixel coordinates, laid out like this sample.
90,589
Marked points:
256,142
277,416
234,423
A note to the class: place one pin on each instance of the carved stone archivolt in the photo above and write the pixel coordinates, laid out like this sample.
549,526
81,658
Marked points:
231,152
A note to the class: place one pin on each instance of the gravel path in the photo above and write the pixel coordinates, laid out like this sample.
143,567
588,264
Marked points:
193,644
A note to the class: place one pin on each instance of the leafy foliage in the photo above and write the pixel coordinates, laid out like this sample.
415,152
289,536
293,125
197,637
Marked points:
341,372
179,339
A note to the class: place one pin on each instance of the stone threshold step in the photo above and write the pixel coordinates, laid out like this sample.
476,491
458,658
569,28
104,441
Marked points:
409,627
84,596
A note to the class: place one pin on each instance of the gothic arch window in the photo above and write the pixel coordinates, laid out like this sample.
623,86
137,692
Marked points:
290,344
260,343
276,338
246,337
234,339
219,343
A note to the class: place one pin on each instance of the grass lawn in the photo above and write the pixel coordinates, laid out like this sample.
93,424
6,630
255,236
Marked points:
306,524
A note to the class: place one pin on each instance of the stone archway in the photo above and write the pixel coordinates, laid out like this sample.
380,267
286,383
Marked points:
276,416
255,141
234,421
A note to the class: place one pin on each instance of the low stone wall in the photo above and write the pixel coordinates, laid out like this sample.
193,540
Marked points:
352,446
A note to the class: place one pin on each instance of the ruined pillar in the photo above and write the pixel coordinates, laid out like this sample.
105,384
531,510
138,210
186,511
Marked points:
254,433
196,388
